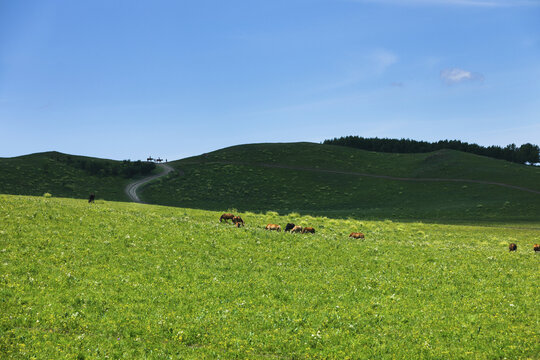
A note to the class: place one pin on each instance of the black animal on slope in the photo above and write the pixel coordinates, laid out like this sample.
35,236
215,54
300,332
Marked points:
289,227
92,198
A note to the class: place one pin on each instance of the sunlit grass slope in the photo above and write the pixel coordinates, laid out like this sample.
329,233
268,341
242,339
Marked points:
123,280
56,173
238,177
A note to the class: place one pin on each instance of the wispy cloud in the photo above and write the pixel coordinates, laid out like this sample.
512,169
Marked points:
456,76
374,63
383,59
474,3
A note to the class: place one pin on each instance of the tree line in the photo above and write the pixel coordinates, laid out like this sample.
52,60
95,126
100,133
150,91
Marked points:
126,168
526,153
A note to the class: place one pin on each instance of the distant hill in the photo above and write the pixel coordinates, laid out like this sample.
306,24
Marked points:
526,153
325,179
64,175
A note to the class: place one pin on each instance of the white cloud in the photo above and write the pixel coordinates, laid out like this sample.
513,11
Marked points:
475,3
455,76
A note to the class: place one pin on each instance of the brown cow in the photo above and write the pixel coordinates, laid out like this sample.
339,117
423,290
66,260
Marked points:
308,230
273,227
357,235
536,247
226,216
296,229
512,247
237,220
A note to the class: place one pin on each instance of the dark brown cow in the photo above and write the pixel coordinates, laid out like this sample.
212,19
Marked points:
226,216
237,220
536,247
308,230
289,226
512,247
357,235
92,198
273,227
296,229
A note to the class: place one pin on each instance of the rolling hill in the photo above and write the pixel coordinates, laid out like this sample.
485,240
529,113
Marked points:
304,178
336,181
64,175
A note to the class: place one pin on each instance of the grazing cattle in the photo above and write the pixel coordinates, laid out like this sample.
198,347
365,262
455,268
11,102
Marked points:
296,229
92,198
273,227
226,216
536,247
289,226
237,220
512,247
308,230
357,235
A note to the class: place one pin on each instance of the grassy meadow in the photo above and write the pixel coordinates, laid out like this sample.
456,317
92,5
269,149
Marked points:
242,177
121,280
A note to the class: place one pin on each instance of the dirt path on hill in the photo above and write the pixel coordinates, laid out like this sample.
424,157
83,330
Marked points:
401,178
131,189
278,166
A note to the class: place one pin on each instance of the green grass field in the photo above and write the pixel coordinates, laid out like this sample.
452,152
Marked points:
118,280
240,177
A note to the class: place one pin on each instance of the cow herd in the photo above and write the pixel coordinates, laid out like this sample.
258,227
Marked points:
290,227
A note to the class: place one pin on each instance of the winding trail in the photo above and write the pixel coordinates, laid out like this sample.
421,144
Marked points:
131,189
354,173
401,178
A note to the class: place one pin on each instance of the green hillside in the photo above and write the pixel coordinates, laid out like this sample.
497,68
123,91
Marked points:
123,280
305,178
64,175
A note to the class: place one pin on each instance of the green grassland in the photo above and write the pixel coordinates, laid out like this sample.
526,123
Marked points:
123,280
60,175
295,178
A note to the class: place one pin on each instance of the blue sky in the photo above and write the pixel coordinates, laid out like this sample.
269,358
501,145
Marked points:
128,79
